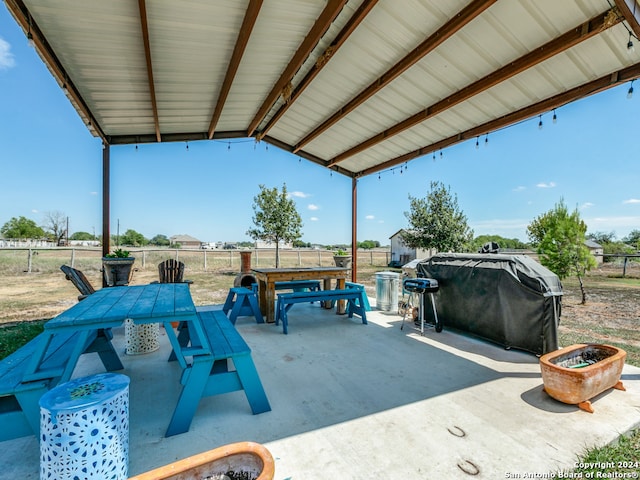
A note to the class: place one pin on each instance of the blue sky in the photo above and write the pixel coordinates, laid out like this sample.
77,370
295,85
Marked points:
50,162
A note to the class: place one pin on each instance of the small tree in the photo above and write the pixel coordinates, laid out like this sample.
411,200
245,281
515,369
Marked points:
22,227
133,238
275,218
437,222
559,237
55,222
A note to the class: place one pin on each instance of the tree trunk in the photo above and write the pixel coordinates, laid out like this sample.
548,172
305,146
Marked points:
582,291
277,254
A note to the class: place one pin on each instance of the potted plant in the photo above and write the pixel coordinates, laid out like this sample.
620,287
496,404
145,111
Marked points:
242,460
342,258
117,267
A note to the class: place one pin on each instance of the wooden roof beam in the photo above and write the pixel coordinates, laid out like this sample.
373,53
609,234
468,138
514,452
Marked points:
565,41
250,17
331,50
631,12
147,55
23,17
544,106
463,17
319,28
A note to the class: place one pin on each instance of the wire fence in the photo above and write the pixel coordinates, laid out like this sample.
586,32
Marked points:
48,260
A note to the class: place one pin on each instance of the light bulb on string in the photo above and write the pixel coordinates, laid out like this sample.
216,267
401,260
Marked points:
434,156
229,146
555,117
630,47
486,140
378,176
477,143
440,154
187,144
630,91
540,122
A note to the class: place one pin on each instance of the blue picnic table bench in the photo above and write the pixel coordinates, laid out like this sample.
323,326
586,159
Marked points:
209,374
354,296
19,396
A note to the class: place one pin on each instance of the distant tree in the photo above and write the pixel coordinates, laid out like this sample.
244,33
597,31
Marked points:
160,241
633,238
55,222
301,244
437,222
275,218
245,244
81,236
602,237
511,243
133,238
22,227
368,244
559,238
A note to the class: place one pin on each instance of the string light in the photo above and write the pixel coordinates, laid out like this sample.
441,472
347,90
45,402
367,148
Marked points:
187,144
229,146
540,122
630,47
136,147
486,140
555,117
630,91
440,154
434,156
477,143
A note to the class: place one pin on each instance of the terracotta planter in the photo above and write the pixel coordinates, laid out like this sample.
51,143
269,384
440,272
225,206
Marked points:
249,457
577,373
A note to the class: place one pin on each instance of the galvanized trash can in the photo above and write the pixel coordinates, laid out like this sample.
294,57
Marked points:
84,429
387,291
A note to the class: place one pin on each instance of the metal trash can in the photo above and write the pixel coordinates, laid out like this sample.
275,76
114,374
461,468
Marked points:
387,291
84,429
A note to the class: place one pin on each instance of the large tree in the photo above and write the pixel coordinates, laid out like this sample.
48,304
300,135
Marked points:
436,222
22,227
275,218
133,238
559,237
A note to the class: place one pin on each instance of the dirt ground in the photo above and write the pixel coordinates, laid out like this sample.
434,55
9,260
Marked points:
611,314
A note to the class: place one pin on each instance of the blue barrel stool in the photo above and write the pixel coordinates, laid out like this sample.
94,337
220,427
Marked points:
84,429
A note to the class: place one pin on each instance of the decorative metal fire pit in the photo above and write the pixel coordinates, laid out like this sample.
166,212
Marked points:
577,373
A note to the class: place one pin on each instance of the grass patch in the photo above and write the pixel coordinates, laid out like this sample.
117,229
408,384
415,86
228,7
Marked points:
621,457
15,336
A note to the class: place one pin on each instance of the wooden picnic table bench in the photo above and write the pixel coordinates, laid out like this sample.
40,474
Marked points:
209,374
354,296
19,396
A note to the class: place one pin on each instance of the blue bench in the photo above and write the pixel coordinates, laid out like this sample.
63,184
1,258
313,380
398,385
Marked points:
359,286
296,285
354,296
19,408
242,302
209,374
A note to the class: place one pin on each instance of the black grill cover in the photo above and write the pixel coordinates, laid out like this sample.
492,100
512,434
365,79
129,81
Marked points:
511,300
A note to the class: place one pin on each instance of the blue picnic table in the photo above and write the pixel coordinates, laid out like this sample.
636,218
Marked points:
153,303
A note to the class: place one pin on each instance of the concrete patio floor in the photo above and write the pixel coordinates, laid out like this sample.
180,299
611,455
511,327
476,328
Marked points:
354,401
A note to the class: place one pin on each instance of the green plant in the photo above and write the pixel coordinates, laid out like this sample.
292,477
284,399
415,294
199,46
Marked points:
118,253
341,253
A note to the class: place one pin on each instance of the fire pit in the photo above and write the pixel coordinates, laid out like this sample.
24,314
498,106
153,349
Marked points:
577,373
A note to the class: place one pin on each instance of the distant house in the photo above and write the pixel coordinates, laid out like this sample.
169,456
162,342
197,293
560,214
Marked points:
402,254
596,250
185,241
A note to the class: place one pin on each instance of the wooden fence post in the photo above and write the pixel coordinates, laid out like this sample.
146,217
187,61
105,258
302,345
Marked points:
205,260
73,258
29,260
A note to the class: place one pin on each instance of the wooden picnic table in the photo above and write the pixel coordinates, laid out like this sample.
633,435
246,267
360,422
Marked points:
267,278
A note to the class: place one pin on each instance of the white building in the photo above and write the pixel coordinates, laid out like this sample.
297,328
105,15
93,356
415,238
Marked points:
401,253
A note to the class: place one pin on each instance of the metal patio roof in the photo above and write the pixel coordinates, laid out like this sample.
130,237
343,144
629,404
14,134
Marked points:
358,86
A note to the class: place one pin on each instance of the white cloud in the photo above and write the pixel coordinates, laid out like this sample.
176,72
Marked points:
370,217
313,206
314,219
519,188
93,193
586,205
299,194
632,200
34,210
546,185
6,57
